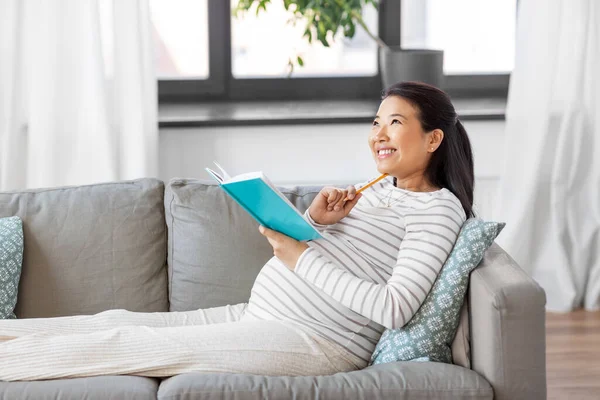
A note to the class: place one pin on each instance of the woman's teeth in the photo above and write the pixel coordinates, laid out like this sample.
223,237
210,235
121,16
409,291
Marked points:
386,151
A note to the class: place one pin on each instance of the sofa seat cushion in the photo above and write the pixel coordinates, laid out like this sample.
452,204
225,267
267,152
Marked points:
400,380
95,388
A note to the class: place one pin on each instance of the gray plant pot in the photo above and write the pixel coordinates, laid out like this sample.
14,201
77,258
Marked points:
411,65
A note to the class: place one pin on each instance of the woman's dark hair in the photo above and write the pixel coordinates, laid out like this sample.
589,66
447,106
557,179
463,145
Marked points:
451,165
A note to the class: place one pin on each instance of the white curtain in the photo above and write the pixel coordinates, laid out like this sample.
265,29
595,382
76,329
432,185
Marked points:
550,190
78,99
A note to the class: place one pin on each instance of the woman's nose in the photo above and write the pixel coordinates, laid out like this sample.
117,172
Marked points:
380,134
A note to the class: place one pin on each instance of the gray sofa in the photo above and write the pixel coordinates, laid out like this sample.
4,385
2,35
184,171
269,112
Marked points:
141,246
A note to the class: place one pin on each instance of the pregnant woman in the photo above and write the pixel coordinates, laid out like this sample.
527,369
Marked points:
316,308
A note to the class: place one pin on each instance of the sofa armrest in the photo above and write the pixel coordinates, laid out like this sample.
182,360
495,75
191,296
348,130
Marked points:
508,334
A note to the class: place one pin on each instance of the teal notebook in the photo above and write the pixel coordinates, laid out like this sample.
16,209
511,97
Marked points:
255,193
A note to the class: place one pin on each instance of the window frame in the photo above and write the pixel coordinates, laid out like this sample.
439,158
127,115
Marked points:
222,86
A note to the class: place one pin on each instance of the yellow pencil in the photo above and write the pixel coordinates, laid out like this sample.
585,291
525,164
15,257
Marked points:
369,185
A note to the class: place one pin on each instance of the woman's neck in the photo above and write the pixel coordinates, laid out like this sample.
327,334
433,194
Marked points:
415,184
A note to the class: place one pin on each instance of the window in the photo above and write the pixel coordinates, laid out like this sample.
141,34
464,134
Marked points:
478,37
204,53
262,46
180,34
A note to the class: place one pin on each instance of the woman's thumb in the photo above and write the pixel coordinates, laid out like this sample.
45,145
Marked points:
352,202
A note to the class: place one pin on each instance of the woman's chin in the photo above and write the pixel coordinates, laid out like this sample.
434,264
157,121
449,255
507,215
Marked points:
382,169
383,166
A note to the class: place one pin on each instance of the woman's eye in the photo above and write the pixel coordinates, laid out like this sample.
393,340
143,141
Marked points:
394,121
375,123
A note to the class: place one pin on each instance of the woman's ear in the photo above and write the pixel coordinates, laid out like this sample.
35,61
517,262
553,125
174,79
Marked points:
435,139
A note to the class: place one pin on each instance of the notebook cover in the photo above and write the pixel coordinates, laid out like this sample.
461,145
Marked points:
270,210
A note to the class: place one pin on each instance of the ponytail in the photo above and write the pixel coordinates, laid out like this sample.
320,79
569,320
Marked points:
459,172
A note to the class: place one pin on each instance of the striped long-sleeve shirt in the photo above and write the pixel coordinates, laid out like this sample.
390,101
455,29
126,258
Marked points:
372,270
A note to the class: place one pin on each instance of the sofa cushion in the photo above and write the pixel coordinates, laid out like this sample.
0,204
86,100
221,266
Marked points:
401,380
95,388
91,248
214,249
11,260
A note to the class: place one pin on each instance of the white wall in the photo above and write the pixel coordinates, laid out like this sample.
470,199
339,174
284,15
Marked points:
309,154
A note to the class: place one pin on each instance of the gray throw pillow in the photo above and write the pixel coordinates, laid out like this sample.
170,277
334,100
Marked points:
429,334
11,260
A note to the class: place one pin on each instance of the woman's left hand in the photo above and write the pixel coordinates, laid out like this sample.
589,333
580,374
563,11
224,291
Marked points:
287,249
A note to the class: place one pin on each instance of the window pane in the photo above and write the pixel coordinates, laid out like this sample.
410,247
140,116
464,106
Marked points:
477,36
180,32
263,44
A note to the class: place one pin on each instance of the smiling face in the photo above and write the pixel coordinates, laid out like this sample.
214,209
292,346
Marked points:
399,145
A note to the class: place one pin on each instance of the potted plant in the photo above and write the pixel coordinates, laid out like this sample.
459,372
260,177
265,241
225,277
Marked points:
325,18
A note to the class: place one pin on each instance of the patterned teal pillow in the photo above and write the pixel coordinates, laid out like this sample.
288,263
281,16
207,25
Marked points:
429,334
11,259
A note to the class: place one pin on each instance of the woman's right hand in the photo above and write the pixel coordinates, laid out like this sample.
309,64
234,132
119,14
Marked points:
329,206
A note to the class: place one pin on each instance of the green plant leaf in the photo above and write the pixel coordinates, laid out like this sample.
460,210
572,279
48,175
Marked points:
308,35
349,30
261,5
300,61
321,28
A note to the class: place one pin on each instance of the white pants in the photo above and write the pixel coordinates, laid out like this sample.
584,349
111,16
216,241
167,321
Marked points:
120,342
